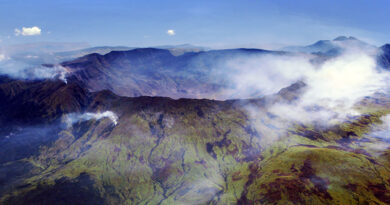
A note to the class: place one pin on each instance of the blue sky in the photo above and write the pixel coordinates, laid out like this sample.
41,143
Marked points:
213,23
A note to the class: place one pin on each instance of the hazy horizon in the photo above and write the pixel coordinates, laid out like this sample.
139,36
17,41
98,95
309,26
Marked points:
86,45
217,24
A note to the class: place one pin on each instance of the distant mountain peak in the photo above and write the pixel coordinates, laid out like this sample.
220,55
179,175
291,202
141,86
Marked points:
344,38
321,42
330,47
384,56
386,46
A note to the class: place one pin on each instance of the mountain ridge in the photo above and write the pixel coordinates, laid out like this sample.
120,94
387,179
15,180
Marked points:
156,72
88,137
190,150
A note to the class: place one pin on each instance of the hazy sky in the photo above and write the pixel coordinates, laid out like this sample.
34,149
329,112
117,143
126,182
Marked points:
214,23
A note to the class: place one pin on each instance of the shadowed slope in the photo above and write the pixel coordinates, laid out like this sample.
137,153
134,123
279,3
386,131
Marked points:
186,151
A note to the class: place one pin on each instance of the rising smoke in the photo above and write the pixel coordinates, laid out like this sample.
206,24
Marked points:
72,118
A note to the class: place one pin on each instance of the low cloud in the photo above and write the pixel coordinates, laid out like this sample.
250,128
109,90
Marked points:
31,56
333,87
382,131
262,75
2,57
72,118
379,137
28,31
21,70
29,67
171,32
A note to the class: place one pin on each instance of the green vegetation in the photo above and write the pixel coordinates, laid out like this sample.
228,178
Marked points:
167,151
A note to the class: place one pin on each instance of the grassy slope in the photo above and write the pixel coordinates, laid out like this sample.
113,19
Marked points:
199,151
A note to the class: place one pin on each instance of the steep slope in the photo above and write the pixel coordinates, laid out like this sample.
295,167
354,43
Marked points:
165,151
384,57
157,72
33,101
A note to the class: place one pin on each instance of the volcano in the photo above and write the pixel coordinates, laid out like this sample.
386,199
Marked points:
131,127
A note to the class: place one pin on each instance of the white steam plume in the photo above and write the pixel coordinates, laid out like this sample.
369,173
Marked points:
72,118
